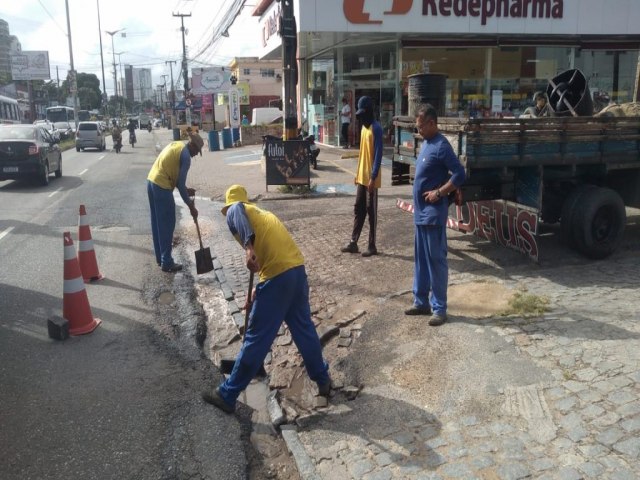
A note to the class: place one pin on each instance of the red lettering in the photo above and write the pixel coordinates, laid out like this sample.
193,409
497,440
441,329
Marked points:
445,8
460,8
400,7
354,12
516,9
527,227
541,9
485,230
501,228
474,8
488,8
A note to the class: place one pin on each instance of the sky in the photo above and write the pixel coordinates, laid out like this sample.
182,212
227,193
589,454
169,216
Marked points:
153,34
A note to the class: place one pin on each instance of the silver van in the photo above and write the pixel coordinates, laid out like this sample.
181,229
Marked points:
90,135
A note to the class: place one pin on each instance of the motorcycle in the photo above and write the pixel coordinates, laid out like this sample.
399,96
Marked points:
117,142
149,127
132,139
313,148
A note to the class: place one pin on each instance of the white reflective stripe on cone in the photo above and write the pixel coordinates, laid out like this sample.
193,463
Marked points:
85,245
69,252
73,286
83,220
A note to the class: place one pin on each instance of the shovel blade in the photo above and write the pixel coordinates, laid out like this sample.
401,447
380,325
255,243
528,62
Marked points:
204,263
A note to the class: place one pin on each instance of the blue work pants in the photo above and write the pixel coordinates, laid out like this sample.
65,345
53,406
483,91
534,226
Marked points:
163,222
284,297
431,272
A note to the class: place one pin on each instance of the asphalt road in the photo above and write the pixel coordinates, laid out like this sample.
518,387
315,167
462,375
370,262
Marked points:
123,401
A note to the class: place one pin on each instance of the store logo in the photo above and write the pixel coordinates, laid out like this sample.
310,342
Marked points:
354,10
485,9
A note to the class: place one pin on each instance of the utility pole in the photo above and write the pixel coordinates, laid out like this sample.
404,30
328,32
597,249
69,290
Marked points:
164,77
74,84
185,69
173,92
289,70
104,84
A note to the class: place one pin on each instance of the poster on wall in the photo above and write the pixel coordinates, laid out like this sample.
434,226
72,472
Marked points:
287,162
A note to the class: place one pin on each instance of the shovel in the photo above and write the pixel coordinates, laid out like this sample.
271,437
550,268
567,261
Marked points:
226,364
204,263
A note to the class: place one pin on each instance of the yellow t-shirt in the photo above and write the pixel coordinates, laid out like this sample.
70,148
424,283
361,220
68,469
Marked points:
365,161
166,168
275,248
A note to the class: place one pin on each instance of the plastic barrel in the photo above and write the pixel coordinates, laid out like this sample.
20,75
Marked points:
176,134
427,88
214,141
235,134
227,141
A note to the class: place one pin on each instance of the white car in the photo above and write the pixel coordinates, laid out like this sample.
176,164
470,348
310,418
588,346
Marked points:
90,135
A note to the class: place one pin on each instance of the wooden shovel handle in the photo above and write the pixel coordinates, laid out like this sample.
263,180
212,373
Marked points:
248,309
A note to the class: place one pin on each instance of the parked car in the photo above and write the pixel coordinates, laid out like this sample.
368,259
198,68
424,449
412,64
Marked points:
90,135
51,128
28,151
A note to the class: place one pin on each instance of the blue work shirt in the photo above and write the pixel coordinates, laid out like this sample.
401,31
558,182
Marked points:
435,160
185,165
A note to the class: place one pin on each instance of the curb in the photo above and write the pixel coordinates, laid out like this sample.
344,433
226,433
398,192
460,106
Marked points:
305,465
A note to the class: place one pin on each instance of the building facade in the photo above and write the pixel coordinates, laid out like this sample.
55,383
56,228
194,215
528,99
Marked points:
137,84
263,80
494,53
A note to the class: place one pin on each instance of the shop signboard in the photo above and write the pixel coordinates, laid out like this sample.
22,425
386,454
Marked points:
287,162
32,65
234,107
205,81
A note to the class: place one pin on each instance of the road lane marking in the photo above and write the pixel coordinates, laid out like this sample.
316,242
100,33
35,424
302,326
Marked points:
83,171
53,193
6,232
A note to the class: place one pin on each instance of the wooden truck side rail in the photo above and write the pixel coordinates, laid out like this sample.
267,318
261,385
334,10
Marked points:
559,167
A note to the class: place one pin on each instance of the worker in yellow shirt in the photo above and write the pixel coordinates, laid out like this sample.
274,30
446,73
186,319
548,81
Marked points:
282,294
168,172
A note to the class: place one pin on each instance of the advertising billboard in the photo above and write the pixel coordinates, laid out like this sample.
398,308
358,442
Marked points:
205,81
30,66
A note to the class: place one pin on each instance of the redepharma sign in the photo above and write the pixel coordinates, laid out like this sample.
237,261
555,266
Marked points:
556,17
30,66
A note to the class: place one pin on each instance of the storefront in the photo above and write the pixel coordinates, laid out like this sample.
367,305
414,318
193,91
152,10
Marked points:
495,53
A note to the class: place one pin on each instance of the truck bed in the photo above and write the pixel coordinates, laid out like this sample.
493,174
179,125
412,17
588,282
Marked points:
490,143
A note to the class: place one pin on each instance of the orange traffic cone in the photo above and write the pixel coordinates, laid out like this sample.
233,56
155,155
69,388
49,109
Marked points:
75,304
86,253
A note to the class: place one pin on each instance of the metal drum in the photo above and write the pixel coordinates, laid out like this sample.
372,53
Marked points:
427,88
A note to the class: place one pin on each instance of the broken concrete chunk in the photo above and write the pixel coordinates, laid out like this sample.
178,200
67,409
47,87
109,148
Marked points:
320,402
327,332
284,340
344,342
345,333
351,318
351,392
275,412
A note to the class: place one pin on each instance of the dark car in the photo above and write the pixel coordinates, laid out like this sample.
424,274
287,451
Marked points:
28,151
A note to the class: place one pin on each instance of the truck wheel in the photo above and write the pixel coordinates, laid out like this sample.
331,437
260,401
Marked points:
599,223
569,209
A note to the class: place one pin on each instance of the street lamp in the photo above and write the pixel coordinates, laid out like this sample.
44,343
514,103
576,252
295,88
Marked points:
113,50
120,65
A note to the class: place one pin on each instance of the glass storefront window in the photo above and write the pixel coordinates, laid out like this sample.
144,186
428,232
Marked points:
351,72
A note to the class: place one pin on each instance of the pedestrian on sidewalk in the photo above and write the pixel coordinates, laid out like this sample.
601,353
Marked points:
431,187
282,293
345,121
168,172
368,178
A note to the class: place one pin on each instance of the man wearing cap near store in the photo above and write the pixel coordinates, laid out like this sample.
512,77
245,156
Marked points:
367,178
282,293
168,172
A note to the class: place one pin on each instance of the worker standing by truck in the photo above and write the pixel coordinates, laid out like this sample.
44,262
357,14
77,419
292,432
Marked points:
430,190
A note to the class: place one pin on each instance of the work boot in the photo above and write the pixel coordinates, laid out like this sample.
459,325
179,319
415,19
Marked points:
370,252
437,319
417,311
214,398
176,267
351,247
324,390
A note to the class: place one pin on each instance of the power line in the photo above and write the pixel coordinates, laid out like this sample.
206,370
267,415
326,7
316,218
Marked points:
52,19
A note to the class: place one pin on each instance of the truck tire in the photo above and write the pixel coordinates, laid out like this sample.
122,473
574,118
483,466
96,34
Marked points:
599,223
570,207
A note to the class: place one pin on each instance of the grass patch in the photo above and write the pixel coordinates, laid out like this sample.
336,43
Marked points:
67,144
527,305
298,189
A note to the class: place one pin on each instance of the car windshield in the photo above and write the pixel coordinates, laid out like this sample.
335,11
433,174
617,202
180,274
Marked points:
17,132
